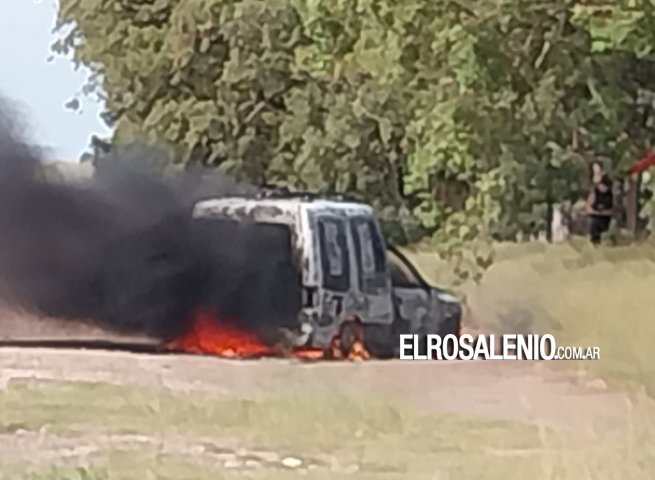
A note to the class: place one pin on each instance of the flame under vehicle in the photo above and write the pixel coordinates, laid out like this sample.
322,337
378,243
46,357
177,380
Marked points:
355,289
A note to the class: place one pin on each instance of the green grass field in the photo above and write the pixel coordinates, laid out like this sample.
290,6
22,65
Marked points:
190,437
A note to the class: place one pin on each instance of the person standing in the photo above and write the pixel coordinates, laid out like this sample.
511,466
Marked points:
600,203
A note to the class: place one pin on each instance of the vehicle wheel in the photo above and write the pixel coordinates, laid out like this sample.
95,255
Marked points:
350,332
391,347
378,340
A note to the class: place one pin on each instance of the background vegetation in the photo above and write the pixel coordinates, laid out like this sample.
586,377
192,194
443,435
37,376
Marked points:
462,120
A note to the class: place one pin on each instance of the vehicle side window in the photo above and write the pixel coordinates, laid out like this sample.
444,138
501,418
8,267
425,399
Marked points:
370,251
334,254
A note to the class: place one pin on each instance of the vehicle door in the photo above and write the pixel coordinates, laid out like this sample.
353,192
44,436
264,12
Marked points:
416,308
371,297
334,261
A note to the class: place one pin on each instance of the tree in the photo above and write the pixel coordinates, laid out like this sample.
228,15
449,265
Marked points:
220,83
458,120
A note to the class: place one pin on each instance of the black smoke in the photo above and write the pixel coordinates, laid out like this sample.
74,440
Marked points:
122,249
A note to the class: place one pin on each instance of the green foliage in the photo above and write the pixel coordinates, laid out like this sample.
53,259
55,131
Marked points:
463,120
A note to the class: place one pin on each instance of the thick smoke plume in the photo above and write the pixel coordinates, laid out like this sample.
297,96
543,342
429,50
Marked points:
122,249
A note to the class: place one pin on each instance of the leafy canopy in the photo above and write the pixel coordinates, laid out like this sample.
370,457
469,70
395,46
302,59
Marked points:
460,119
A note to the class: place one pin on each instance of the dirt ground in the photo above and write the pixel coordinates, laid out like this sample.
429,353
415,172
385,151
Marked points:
523,391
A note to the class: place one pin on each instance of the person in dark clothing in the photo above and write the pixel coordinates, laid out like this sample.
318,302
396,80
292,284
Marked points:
600,204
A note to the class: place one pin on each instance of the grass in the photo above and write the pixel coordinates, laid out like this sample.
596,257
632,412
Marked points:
584,296
384,437
317,421
120,466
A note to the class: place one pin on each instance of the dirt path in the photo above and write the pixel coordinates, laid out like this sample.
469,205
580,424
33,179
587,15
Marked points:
524,391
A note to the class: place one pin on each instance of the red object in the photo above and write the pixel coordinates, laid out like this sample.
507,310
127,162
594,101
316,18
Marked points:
645,162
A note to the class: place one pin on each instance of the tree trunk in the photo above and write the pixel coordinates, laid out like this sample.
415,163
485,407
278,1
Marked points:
631,202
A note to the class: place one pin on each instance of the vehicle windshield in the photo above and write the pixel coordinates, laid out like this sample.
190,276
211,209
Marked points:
402,273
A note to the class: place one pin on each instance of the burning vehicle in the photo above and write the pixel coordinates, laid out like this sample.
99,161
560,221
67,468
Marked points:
196,263
341,292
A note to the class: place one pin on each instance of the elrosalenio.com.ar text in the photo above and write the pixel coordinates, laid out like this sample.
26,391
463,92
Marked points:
483,347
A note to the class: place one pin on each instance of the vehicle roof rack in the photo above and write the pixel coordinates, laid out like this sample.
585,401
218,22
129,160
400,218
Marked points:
275,192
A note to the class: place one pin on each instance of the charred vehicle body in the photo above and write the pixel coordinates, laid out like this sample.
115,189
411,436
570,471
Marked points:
351,284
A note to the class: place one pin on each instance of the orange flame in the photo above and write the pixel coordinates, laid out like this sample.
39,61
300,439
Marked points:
210,334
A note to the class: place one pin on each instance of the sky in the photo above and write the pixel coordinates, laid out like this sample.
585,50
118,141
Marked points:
38,88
